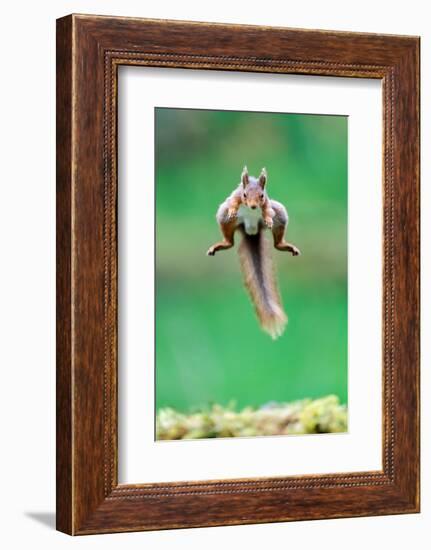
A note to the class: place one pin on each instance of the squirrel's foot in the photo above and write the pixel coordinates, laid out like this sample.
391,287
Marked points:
287,247
268,222
222,245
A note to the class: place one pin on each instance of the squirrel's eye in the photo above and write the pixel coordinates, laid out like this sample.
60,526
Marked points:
245,195
261,196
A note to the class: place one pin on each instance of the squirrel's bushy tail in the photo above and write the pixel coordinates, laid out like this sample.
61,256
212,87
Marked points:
259,278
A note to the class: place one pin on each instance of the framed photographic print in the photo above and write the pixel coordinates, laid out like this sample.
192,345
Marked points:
237,274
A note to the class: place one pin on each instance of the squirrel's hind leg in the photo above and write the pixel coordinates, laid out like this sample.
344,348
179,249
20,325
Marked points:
280,243
228,230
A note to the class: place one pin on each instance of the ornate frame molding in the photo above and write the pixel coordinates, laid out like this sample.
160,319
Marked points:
90,49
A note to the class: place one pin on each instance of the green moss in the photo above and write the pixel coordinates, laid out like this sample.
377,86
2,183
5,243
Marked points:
325,415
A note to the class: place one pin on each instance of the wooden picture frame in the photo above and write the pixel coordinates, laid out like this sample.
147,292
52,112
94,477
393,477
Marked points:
89,51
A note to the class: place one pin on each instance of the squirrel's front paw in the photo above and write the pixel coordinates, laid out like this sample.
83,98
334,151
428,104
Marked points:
268,222
295,251
231,214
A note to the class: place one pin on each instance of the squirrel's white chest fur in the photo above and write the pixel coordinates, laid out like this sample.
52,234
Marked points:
250,218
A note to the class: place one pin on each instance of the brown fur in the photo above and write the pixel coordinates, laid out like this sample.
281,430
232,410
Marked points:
280,243
254,252
260,281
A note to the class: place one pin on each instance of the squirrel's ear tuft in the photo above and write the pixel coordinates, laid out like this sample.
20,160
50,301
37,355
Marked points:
244,176
263,177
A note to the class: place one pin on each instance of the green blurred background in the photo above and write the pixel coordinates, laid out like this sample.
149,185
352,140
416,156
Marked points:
209,347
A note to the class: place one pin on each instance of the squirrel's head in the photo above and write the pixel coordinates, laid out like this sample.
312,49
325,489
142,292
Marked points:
253,189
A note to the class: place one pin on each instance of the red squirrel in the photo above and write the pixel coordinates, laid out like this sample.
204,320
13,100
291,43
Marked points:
249,210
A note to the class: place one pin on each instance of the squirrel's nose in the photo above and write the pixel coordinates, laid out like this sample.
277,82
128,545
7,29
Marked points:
253,207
